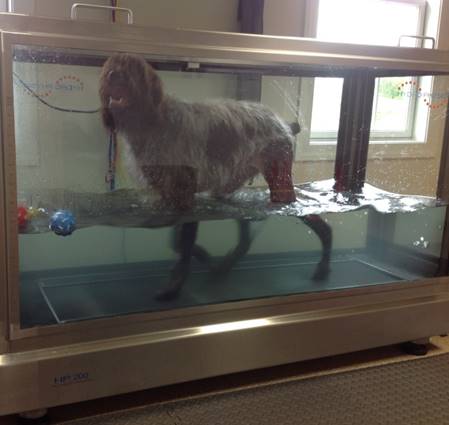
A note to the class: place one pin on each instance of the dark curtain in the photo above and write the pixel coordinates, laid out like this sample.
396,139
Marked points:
250,17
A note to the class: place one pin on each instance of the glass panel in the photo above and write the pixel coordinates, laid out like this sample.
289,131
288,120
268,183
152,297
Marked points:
106,226
409,243
407,162
408,165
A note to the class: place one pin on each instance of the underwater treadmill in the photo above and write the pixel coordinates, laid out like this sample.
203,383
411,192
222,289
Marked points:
358,260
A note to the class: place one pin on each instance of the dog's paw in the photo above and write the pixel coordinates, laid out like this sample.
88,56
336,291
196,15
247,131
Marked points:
321,272
222,269
167,294
178,276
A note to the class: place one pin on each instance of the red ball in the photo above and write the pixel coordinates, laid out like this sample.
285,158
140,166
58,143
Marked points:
22,219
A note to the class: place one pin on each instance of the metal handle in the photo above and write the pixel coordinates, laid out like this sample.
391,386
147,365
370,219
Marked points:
419,37
76,6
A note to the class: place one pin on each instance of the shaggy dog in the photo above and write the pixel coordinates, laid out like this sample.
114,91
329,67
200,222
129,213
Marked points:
180,148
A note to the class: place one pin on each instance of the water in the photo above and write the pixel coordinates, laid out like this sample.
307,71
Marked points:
105,271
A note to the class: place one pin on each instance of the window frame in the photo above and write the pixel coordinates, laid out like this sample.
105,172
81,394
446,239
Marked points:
398,145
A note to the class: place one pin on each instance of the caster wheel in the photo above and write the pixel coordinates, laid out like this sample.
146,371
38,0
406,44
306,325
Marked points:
414,349
34,417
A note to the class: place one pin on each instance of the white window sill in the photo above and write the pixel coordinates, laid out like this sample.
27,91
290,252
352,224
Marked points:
378,150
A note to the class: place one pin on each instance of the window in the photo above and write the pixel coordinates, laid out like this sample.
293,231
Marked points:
374,22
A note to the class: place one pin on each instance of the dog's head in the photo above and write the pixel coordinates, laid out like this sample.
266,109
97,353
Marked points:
129,87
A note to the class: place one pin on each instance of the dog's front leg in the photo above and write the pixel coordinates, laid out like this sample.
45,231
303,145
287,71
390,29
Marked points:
184,245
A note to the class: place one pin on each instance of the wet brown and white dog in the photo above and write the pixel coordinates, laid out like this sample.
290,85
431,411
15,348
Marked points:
180,148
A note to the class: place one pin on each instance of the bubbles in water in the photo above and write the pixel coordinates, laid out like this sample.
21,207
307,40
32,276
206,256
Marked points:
421,243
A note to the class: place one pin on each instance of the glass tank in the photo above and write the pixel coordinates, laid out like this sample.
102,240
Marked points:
190,184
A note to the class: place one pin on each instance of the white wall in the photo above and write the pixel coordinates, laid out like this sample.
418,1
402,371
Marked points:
220,15
285,17
217,15
50,8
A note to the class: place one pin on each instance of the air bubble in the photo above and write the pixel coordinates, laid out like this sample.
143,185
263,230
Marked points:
421,243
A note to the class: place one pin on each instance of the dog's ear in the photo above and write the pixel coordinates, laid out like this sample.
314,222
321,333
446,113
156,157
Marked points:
155,86
108,119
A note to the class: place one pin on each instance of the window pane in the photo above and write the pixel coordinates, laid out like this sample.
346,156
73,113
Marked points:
393,106
359,21
378,22
326,107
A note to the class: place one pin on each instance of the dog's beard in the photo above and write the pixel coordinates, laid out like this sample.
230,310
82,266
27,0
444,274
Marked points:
115,103
117,98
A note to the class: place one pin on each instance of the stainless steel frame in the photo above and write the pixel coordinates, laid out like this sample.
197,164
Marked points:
129,12
52,365
3,252
228,48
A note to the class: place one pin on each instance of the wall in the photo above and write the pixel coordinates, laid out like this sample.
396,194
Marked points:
217,15
286,17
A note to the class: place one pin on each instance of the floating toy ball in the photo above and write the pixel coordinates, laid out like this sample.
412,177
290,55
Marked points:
33,213
62,222
22,217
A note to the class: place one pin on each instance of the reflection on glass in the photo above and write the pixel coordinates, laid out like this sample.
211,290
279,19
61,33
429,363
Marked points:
407,133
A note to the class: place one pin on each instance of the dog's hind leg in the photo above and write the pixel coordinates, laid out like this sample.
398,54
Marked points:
184,245
185,238
242,247
277,161
201,255
324,232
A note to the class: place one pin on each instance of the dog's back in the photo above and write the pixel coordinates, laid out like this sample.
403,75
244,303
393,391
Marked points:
222,140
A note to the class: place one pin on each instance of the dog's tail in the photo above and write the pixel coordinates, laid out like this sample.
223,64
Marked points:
295,128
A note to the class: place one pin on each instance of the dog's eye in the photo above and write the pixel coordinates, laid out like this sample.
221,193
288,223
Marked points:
114,75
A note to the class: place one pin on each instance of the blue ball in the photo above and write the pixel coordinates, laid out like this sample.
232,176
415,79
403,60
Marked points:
62,222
